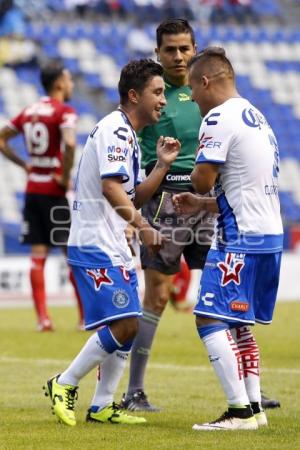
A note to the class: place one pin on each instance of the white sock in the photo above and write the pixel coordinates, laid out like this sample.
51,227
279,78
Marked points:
90,356
224,356
111,371
249,352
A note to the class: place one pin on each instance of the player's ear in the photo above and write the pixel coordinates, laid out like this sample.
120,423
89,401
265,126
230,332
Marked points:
195,49
133,96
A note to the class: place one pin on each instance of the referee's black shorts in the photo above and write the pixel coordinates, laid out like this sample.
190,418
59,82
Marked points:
46,220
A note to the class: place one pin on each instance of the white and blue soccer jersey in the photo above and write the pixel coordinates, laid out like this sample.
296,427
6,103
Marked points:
237,136
97,236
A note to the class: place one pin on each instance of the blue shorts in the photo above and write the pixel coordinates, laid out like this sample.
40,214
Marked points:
107,294
239,288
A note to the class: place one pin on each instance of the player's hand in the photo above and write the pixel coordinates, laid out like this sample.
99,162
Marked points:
27,168
131,238
59,180
152,239
187,203
167,149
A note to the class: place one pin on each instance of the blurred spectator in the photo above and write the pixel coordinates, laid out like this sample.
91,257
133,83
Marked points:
243,11
11,19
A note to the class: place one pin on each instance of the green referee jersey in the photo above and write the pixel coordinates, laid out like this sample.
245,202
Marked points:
181,120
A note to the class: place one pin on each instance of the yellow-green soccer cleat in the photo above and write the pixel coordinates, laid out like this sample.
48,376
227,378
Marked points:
113,414
62,398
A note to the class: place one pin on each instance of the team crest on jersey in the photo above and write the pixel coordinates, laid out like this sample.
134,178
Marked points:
100,277
183,97
120,298
231,268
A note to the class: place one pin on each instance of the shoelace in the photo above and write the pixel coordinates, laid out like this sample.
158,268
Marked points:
141,397
71,396
226,415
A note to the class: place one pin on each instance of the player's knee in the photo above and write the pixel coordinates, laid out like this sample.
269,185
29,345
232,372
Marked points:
125,330
156,296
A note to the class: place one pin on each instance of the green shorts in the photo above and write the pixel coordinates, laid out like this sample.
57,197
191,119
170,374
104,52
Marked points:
190,235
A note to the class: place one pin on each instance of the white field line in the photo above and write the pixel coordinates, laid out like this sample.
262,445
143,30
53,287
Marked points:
155,366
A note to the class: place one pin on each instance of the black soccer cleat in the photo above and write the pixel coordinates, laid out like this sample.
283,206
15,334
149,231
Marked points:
137,401
269,403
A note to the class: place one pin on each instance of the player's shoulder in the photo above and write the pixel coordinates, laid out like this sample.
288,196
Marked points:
225,115
116,123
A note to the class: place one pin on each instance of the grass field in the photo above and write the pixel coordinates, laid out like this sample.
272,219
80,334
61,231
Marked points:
179,379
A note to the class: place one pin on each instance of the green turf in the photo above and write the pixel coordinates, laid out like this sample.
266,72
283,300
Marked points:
179,379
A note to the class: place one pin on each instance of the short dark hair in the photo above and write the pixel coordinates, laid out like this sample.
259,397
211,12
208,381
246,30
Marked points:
50,72
135,75
212,56
173,26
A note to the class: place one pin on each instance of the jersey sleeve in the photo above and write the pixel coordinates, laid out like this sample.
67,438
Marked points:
215,135
113,151
68,118
17,123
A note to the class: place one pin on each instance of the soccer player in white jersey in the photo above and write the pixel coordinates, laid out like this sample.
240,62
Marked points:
108,191
238,155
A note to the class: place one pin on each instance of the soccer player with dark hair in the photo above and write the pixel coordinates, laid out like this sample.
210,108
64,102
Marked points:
108,192
48,127
238,156
191,233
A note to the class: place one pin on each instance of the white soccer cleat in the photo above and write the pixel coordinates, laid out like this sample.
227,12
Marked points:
261,419
228,422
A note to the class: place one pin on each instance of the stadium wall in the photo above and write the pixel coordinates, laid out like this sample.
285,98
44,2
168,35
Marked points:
15,286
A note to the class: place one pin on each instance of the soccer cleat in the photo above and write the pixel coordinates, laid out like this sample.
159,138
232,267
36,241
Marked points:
261,419
62,398
45,325
259,414
113,414
230,421
137,401
269,403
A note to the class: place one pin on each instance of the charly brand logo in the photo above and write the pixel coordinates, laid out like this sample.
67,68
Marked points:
120,298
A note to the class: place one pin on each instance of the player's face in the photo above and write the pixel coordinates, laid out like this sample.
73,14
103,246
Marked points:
152,100
68,84
174,53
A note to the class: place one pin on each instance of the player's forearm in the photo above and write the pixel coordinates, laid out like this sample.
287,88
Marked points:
68,161
8,152
119,200
210,205
149,186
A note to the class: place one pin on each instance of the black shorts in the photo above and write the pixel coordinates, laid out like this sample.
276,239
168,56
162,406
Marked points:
190,236
46,220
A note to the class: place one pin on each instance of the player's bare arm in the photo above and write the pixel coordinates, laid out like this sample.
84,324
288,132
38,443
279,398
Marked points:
117,197
69,141
7,133
204,176
167,150
188,203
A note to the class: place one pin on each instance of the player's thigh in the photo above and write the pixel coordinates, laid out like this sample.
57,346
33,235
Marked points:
227,285
107,294
56,217
266,286
32,229
157,290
